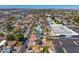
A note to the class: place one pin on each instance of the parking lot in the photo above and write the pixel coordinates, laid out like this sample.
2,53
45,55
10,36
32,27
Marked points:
66,46
76,29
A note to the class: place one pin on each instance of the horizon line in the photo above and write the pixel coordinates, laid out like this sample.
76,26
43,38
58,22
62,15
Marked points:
39,6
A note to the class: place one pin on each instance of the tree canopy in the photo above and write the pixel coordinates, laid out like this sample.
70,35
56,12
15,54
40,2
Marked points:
76,19
1,34
19,36
10,37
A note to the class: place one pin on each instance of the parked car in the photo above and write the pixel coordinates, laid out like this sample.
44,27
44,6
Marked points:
7,50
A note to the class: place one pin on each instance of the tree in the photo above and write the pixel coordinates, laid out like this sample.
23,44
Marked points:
12,19
76,19
45,49
9,27
10,37
19,36
39,41
2,34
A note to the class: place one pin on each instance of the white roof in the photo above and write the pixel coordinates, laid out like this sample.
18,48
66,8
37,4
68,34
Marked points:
2,42
50,20
59,29
62,30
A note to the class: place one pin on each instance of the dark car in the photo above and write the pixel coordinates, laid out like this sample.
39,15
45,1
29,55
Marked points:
23,40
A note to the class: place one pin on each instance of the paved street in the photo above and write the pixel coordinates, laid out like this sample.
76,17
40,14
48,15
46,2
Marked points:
22,49
66,46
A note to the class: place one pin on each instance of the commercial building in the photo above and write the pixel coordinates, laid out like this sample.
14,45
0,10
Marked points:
59,30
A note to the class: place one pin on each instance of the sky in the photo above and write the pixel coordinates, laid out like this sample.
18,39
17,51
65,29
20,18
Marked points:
41,6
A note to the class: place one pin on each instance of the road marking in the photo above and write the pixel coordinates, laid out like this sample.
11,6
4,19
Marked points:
75,43
60,43
64,50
